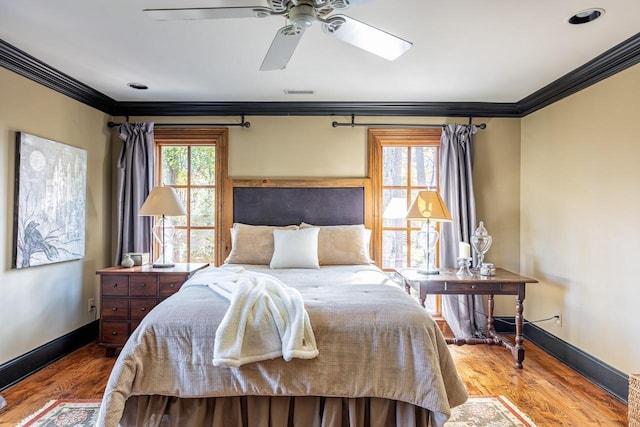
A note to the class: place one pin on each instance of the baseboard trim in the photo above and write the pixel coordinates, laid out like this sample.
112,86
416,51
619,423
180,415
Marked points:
596,371
22,366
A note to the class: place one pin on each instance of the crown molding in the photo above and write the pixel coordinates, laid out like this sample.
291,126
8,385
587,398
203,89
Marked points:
616,59
448,109
27,66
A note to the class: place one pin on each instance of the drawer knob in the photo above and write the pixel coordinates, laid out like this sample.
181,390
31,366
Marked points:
144,285
114,309
114,333
115,285
143,309
172,285
473,286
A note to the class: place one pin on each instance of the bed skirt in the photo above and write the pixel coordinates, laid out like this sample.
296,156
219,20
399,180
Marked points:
264,411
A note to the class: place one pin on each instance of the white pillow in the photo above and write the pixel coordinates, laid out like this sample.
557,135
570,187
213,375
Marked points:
295,248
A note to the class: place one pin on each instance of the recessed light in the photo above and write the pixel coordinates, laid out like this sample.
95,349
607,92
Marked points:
138,86
585,16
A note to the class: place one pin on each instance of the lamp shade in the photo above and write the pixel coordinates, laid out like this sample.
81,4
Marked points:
162,201
428,206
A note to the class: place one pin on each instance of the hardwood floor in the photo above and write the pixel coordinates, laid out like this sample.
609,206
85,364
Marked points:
550,393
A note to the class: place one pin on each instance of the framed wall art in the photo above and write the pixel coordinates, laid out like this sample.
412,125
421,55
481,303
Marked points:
49,202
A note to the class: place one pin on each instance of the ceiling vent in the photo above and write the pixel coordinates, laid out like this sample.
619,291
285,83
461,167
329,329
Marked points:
299,92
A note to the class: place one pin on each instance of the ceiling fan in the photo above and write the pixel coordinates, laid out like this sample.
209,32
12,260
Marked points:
301,14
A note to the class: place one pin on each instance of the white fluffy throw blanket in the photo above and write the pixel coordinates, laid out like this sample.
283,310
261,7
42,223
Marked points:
266,319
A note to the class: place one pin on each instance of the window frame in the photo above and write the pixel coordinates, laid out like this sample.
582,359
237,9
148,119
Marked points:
192,136
377,139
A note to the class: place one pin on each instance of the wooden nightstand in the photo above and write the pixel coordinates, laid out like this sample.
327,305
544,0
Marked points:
128,294
447,282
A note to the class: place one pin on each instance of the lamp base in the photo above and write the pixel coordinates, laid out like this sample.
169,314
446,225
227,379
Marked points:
161,265
428,272
163,261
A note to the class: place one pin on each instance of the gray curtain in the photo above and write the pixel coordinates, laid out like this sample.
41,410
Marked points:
135,182
464,314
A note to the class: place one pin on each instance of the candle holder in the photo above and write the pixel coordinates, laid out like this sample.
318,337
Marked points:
463,267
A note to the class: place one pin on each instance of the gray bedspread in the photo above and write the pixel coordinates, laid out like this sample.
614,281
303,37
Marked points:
374,341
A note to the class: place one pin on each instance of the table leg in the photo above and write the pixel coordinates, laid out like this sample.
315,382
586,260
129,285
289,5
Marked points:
422,296
490,304
518,349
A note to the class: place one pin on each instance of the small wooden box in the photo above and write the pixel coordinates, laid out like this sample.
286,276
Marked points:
634,400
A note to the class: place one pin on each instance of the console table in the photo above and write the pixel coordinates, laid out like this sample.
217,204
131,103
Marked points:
502,283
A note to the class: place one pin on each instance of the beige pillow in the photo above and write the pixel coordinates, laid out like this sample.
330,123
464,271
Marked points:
342,244
253,244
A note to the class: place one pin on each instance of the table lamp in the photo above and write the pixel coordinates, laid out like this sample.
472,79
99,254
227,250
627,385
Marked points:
429,207
163,201
396,209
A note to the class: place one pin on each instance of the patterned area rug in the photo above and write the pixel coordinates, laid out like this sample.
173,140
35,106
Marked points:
478,411
495,411
65,413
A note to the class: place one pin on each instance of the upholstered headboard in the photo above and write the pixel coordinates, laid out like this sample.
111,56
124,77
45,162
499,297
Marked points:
318,201
293,205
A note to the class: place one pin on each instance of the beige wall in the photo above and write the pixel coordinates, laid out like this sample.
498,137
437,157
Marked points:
580,211
557,191
272,147
40,304
311,147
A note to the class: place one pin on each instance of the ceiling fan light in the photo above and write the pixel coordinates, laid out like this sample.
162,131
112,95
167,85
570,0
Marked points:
302,15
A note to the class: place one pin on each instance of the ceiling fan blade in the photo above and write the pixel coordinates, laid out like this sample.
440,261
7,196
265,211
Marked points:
365,37
282,47
208,13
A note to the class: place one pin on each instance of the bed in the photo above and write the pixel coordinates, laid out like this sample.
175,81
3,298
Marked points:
380,361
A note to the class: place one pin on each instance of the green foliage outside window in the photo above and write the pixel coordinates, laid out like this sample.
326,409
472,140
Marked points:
191,170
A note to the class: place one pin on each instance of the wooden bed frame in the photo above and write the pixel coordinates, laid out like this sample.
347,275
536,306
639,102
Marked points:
292,201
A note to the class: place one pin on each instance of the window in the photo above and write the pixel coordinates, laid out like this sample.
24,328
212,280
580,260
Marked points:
193,162
402,162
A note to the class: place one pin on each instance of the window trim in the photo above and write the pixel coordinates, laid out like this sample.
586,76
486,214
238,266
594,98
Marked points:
194,136
376,140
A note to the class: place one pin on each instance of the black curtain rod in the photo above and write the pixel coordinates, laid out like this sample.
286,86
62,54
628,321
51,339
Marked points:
399,125
243,123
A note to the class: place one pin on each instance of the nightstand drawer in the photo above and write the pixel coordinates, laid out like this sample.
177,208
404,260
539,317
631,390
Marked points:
140,307
114,309
114,332
170,284
143,285
480,287
134,325
115,285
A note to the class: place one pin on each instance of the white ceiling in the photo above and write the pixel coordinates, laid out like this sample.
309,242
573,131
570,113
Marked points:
463,50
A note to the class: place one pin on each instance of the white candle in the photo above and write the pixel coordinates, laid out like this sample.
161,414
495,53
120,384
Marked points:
464,250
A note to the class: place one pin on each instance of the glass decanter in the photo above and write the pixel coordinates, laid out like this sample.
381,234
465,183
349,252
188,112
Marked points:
480,242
